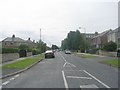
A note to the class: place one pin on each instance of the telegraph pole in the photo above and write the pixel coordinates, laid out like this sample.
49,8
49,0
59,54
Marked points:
40,42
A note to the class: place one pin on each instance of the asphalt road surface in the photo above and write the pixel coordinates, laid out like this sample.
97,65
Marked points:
65,71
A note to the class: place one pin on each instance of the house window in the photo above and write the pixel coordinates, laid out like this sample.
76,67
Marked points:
5,43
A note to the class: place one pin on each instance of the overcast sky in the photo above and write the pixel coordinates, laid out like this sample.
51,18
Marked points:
56,18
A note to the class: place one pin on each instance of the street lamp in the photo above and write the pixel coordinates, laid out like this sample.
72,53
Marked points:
85,36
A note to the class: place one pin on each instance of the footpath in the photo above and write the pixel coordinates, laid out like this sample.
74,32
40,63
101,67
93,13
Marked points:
6,72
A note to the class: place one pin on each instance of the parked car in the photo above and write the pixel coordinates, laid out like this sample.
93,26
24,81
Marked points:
67,52
49,54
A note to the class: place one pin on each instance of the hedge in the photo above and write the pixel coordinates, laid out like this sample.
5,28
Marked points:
9,50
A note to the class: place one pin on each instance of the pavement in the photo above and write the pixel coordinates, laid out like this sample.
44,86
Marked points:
65,71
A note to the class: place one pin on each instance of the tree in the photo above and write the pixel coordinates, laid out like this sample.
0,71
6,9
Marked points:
73,41
110,46
41,46
23,47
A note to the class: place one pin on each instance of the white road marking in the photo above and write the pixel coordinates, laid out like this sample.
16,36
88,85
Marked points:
97,79
65,81
16,75
75,70
63,58
78,77
5,83
67,62
88,86
0,87
12,79
71,64
64,64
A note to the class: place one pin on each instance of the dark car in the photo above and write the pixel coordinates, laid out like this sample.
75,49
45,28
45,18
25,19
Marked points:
49,54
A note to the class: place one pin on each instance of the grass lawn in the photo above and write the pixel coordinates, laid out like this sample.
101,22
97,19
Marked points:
113,63
85,56
23,63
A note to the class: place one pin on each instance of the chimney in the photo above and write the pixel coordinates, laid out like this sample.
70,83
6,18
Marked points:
28,38
13,36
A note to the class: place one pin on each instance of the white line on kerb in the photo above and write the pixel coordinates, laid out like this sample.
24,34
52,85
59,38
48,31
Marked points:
97,79
12,79
17,75
5,83
65,82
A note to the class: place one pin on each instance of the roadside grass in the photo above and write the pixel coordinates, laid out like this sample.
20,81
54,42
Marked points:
85,55
113,62
23,63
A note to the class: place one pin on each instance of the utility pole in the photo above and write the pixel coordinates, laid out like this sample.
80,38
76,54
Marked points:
40,34
40,42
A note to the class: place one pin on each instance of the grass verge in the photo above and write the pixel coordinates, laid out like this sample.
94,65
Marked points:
113,63
85,55
23,63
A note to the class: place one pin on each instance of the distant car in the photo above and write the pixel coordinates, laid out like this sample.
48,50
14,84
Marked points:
49,54
67,52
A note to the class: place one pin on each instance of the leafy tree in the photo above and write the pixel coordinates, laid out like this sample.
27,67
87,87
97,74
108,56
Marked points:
110,46
41,46
23,47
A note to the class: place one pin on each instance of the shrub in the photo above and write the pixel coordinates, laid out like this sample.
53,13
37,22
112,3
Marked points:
110,46
35,52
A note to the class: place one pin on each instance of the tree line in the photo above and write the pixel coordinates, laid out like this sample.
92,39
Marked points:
74,41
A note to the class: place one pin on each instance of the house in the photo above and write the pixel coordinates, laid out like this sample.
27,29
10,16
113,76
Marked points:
30,43
15,42
100,40
112,35
12,42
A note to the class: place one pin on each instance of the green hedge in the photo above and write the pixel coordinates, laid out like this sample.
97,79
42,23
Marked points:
9,50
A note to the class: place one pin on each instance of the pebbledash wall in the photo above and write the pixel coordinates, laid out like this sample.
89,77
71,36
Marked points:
11,56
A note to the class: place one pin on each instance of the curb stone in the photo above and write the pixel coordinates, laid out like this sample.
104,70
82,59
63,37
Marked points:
20,71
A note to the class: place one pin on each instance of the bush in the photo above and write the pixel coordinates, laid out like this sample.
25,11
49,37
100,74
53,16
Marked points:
110,46
9,50
35,52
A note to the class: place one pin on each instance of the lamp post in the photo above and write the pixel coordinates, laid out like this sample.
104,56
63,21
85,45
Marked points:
85,36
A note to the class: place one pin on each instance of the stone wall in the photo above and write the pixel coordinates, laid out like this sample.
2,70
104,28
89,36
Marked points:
111,54
9,57
29,54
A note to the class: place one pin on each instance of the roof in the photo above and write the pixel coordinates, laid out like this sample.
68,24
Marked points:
16,39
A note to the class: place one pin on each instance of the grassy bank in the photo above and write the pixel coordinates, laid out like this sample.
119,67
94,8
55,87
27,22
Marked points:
84,55
113,63
23,63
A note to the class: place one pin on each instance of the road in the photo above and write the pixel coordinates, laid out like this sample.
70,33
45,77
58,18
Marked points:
65,71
